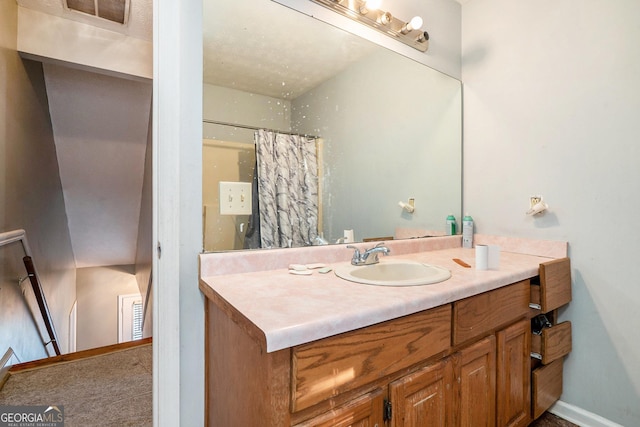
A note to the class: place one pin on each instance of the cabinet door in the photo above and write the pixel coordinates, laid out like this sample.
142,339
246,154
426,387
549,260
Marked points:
423,398
514,375
364,411
476,372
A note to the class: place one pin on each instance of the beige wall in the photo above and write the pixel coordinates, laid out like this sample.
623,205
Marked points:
30,196
224,161
98,289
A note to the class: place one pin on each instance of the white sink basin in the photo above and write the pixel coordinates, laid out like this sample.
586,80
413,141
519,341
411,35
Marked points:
394,273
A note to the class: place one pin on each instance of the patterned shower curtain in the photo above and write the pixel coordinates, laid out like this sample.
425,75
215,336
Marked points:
287,188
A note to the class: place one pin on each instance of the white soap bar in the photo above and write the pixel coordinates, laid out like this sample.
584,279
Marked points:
297,267
316,265
301,272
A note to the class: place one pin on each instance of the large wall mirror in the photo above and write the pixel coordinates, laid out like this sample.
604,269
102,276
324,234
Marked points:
379,127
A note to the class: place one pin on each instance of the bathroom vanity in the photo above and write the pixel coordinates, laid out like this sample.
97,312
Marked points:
285,350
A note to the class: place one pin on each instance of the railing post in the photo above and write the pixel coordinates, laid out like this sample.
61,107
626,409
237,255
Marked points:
42,303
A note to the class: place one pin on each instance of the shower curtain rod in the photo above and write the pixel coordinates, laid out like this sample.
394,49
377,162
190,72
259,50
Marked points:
236,125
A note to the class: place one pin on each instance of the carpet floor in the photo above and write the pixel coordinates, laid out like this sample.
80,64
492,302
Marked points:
112,389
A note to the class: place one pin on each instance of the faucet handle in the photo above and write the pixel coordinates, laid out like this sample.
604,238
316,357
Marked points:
357,251
356,255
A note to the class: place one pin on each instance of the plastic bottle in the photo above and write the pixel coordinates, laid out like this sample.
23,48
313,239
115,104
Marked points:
467,231
451,225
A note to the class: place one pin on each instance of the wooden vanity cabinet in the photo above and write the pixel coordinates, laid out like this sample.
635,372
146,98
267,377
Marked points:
460,364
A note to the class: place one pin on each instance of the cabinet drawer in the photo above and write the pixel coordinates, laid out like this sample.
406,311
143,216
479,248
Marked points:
366,410
552,344
554,289
546,387
481,314
334,365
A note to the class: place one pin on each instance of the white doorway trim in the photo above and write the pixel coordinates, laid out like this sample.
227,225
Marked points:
178,304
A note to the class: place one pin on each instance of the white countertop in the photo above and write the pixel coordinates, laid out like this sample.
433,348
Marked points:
292,310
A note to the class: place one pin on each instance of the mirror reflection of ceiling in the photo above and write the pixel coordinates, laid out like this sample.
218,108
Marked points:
269,55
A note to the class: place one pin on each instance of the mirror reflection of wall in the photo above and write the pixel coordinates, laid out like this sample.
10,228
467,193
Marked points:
392,131
224,161
391,126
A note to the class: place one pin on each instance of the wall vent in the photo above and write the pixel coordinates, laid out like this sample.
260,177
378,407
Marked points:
111,10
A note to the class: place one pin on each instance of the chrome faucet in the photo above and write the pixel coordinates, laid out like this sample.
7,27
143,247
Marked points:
369,256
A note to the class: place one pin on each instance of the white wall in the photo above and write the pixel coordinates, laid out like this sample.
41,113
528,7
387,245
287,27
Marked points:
29,186
551,107
101,126
97,292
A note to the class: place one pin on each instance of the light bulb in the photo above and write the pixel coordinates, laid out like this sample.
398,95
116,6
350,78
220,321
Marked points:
368,5
373,4
414,24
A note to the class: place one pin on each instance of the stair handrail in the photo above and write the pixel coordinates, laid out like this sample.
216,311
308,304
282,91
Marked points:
20,235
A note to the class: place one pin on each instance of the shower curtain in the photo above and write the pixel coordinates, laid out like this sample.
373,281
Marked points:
287,172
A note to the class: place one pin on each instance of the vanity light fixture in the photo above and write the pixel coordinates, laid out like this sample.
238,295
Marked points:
367,12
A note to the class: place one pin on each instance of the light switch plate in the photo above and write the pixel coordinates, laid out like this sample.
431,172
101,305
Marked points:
235,198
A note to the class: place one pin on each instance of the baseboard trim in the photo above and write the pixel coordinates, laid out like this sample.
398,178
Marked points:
580,416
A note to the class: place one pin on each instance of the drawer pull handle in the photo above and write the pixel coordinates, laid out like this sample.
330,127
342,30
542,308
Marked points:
536,356
534,305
